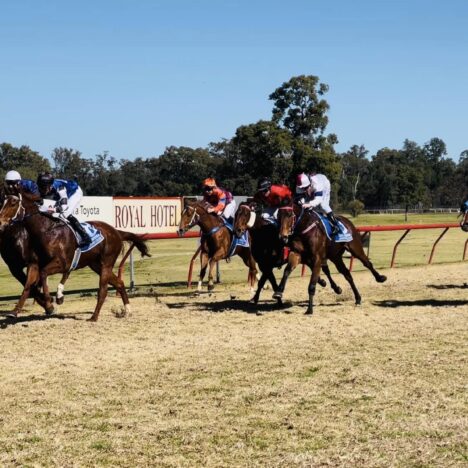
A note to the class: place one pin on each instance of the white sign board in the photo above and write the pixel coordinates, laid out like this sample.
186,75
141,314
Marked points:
147,215
95,209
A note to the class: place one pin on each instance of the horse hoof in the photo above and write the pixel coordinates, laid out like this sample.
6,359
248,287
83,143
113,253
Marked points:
59,300
277,295
210,287
381,279
258,313
12,315
92,319
338,290
322,282
279,303
254,300
358,302
50,310
308,312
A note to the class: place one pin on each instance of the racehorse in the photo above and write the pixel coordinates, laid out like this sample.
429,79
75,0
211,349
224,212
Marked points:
266,247
310,245
216,240
464,215
54,246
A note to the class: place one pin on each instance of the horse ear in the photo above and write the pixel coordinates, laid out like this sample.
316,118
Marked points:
189,202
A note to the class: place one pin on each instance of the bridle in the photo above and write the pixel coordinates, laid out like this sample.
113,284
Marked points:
293,224
194,219
19,215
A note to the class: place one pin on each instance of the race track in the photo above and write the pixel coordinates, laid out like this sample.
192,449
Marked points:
187,381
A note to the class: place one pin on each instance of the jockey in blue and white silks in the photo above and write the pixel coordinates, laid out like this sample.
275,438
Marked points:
14,184
67,194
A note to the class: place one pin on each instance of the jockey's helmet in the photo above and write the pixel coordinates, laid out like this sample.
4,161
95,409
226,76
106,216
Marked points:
264,184
44,181
12,177
209,184
302,183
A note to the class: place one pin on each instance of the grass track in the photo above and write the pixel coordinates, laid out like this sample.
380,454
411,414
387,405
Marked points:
190,381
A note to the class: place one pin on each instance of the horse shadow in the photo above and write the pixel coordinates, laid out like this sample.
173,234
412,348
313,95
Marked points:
233,305
8,321
448,286
392,303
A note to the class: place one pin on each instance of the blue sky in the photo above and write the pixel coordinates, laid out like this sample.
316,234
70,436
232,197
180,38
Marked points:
132,77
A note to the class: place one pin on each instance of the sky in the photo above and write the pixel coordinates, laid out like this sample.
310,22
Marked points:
132,77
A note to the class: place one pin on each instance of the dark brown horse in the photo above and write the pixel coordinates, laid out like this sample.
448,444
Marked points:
54,246
216,240
310,245
267,247
464,215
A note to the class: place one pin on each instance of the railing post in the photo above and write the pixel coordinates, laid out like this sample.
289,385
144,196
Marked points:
435,243
396,246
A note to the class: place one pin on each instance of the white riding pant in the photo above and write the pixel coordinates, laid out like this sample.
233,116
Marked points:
230,210
73,202
270,214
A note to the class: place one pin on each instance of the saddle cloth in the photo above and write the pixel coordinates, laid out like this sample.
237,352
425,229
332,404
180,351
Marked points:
94,233
342,236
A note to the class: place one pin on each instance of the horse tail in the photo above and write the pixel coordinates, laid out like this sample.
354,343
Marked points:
136,240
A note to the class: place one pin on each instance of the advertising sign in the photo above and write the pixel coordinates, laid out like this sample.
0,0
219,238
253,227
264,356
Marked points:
147,215
95,209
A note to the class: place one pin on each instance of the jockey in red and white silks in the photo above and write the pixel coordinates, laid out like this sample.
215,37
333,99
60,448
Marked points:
313,192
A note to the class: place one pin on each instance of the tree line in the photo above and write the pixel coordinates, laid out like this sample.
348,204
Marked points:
293,141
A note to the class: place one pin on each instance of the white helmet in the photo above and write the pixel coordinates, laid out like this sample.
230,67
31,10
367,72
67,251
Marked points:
12,176
302,182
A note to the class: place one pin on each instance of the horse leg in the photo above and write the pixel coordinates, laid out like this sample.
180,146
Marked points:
355,247
312,285
249,261
104,277
293,260
260,284
333,285
203,264
343,269
59,298
34,292
212,263
31,279
118,284
49,307
274,285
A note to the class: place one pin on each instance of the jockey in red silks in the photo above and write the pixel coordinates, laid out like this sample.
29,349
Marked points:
312,192
272,197
222,202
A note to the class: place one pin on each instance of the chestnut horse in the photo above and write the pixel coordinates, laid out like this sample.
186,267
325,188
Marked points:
216,240
310,245
54,246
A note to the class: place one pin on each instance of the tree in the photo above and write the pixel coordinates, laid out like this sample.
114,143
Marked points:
354,166
27,162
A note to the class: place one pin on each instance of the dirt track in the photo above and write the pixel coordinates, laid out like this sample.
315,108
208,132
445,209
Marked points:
198,381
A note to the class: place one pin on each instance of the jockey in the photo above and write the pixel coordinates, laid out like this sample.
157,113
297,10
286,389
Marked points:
66,194
14,184
272,197
221,201
313,191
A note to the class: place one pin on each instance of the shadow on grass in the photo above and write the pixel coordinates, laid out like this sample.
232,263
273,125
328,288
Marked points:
233,305
422,303
8,321
448,286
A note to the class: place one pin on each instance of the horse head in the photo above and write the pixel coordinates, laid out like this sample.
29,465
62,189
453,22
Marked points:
286,220
245,218
188,218
12,209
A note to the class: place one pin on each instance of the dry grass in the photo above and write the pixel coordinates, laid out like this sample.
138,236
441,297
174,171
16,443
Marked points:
200,382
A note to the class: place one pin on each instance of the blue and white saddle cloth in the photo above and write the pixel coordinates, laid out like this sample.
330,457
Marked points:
242,241
96,238
343,235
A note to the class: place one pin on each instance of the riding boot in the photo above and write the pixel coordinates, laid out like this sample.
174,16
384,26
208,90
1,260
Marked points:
334,223
85,239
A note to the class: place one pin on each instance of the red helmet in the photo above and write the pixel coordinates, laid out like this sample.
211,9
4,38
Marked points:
302,181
